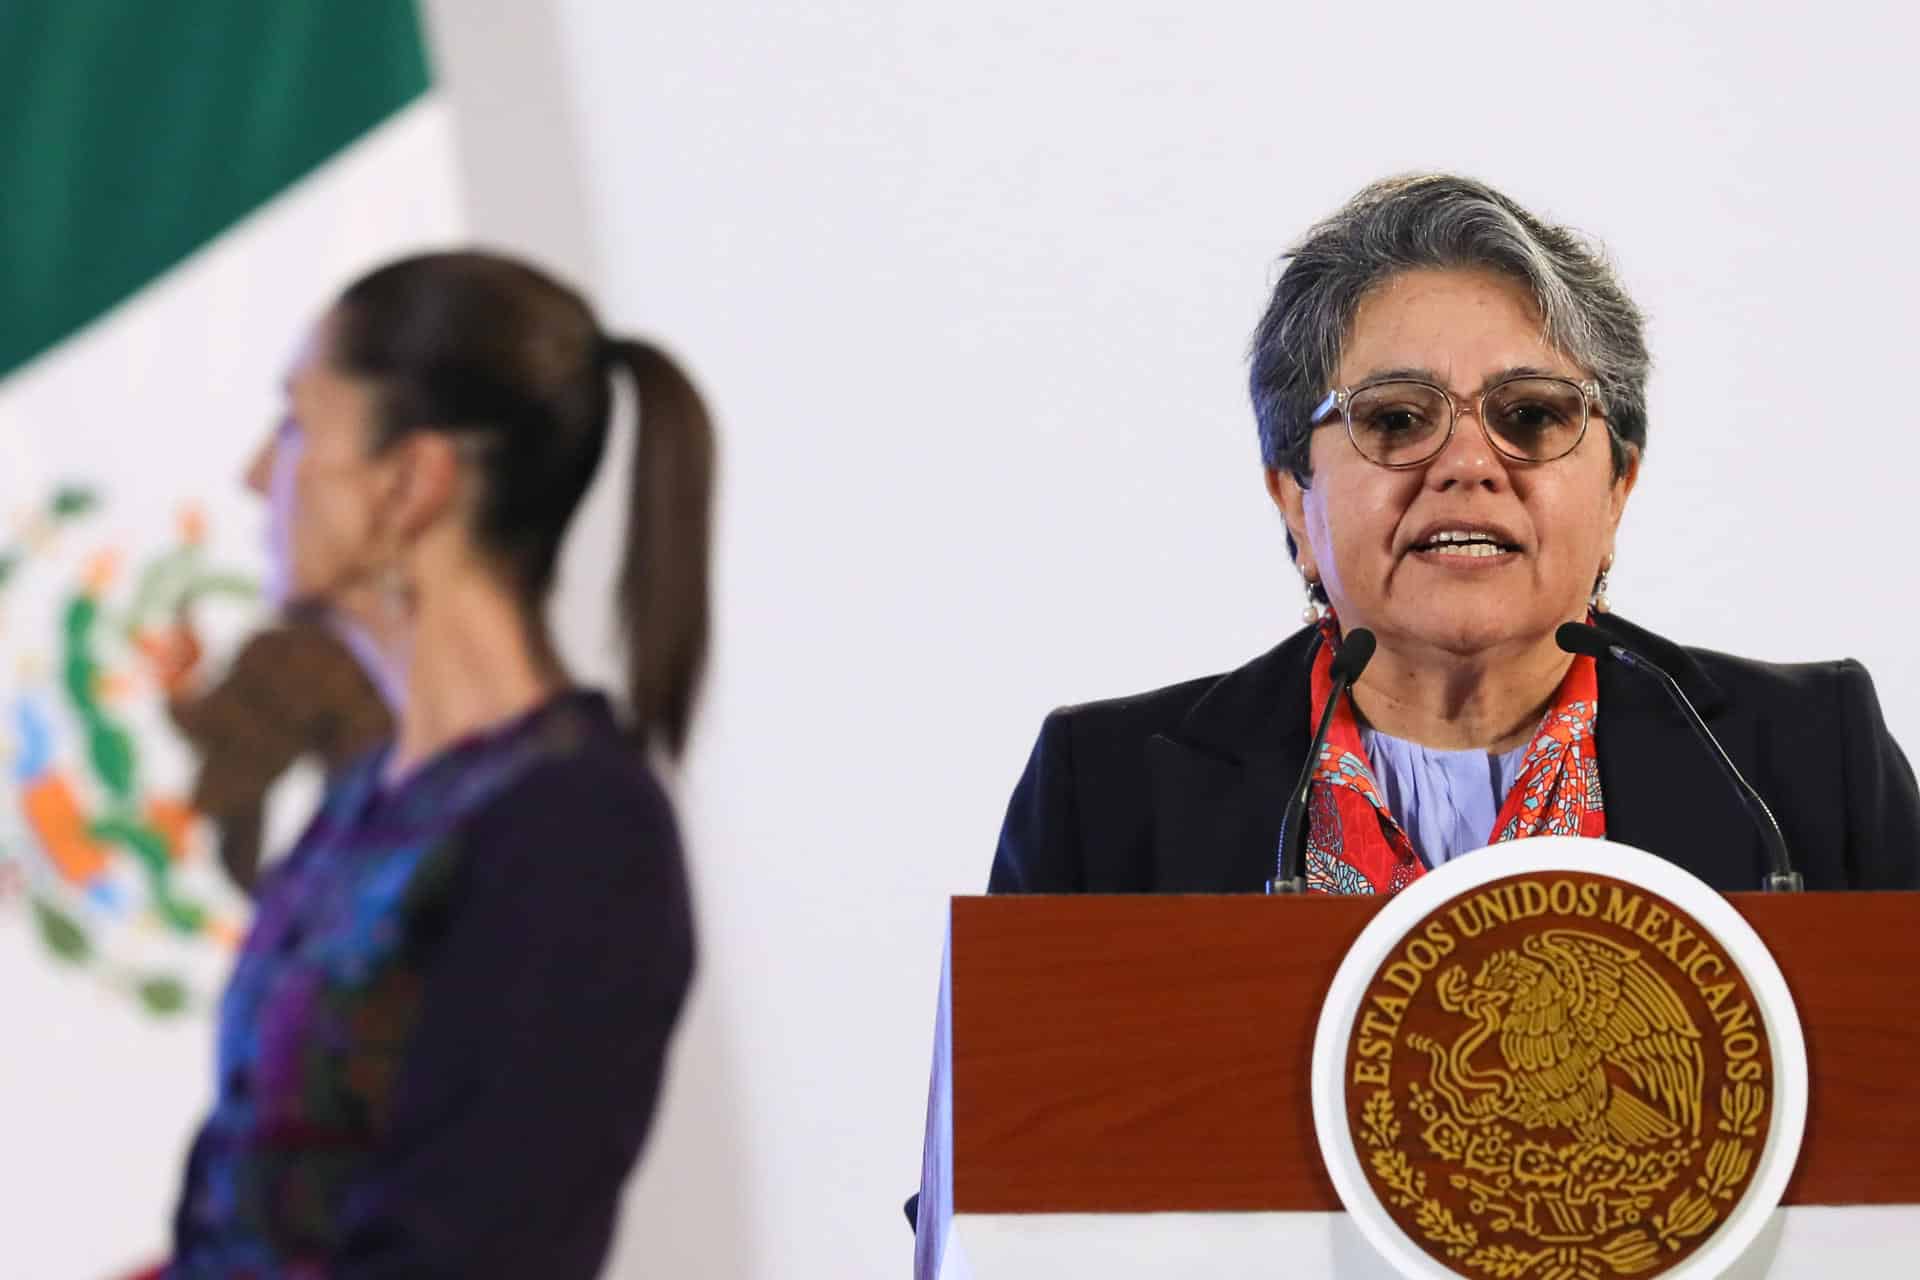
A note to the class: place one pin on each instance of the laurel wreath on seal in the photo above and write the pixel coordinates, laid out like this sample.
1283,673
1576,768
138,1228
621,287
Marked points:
1690,1214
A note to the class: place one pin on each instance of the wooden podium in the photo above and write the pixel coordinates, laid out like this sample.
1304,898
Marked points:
1149,1055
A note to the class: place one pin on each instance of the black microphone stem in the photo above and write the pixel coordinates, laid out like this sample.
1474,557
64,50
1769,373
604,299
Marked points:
1352,659
1287,875
1578,637
1783,878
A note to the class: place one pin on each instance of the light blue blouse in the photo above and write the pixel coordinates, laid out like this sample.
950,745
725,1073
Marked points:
1446,801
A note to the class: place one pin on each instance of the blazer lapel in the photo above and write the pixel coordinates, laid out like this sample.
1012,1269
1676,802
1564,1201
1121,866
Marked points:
1219,784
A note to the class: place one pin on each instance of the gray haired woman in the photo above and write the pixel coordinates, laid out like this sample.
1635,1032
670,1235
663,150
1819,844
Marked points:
1451,396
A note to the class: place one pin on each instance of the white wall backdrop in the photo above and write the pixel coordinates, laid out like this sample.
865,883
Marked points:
970,287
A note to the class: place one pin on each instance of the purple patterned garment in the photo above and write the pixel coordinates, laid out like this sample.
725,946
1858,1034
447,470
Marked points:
442,1041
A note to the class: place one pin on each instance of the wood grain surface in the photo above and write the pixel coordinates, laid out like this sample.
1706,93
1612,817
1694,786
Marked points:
1151,1053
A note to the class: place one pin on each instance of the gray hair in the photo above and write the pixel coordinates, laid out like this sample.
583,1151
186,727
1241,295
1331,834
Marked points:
1438,220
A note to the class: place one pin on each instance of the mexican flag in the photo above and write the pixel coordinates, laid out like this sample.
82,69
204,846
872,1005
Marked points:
183,186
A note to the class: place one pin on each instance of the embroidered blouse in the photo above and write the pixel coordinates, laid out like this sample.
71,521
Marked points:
441,1045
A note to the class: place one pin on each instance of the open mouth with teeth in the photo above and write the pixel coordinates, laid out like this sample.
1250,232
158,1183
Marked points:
1473,544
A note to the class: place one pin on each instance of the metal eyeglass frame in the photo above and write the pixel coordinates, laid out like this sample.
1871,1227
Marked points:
1341,398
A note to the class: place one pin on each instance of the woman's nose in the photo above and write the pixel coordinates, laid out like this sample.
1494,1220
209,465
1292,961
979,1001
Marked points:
1468,457
260,466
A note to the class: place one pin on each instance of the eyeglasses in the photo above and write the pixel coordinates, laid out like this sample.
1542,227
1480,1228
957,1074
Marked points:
1404,422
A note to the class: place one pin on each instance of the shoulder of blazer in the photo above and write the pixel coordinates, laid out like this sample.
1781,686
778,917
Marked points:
1807,735
1148,712
1226,714
1718,682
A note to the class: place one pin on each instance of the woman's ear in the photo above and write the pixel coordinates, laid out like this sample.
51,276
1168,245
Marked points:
1291,498
1623,485
426,480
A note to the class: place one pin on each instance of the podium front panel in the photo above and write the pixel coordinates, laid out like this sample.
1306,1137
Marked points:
1150,1054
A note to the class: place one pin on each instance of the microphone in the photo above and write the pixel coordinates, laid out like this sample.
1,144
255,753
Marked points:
1577,637
1355,652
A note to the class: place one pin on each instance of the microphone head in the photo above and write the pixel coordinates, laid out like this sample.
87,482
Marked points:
1578,637
1356,651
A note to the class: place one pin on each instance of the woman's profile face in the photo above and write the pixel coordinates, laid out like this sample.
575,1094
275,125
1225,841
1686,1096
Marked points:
1368,533
323,486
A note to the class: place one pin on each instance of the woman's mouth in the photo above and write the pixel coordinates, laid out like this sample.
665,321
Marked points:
1464,544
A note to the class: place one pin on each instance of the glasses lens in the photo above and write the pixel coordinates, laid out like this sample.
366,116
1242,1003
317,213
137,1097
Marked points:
1397,424
1538,419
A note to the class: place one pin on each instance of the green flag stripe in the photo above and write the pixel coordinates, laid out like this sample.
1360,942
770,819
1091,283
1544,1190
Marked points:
133,133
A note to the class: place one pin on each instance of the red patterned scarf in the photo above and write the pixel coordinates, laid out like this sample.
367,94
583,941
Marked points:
1354,843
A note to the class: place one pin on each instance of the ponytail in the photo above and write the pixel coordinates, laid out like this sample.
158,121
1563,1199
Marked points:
663,580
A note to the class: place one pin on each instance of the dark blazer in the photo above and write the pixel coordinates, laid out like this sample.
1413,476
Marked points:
1181,790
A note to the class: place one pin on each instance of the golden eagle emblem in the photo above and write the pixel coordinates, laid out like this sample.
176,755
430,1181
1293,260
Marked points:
1577,1019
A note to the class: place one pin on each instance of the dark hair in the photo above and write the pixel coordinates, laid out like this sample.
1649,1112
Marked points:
499,353
1438,220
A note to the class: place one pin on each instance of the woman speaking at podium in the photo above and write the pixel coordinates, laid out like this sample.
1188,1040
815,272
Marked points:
1451,398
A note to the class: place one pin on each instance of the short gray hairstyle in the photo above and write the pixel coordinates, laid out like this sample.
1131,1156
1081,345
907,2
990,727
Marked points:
1438,220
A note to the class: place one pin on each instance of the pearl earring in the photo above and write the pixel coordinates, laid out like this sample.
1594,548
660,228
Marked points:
1599,601
1312,613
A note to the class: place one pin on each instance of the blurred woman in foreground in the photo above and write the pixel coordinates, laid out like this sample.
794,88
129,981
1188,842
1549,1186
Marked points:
442,1043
